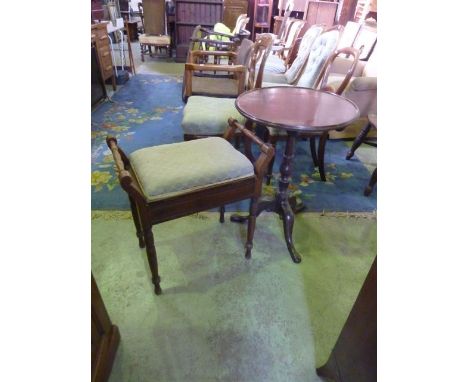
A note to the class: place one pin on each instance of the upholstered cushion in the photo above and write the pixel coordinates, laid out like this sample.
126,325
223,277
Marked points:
294,71
322,48
154,40
274,64
278,78
179,168
271,84
208,115
215,86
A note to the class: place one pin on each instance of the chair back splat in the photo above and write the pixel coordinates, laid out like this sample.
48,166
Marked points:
260,52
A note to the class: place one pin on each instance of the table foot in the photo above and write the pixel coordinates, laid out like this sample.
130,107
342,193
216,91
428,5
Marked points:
288,223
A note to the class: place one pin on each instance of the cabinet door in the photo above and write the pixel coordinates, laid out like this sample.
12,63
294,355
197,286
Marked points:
231,11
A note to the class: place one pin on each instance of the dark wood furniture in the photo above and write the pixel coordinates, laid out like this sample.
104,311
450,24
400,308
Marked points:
98,88
296,110
232,9
361,138
320,12
354,356
100,38
105,337
148,213
262,13
189,14
132,29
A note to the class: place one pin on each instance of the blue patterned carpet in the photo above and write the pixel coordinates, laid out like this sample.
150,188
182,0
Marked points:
147,111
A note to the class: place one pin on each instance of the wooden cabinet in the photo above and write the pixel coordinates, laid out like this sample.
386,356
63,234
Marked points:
263,10
105,337
320,12
231,11
189,14
101,40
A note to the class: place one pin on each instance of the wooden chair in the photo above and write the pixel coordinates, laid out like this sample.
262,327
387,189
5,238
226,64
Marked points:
171,181
272,135
205,116
154,24
280,57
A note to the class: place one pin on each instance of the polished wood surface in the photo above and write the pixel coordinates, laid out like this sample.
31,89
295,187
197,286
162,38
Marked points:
100,38
232,9
297,109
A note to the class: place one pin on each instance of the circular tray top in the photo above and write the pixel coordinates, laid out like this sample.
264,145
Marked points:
297,109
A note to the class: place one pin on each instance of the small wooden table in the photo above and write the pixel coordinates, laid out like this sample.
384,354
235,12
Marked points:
295,110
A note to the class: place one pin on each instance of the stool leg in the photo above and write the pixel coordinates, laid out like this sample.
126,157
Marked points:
142,53
152,258
136,221
358,141
372,182
222,210
313,151
251,227
321,156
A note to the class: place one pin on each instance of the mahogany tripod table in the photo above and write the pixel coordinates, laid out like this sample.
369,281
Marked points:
296,110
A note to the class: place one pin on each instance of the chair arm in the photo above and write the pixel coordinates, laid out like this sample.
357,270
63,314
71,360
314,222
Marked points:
193,54
267,150
122,163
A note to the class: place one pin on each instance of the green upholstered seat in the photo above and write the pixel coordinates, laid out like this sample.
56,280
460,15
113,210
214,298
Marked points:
208,115
175,169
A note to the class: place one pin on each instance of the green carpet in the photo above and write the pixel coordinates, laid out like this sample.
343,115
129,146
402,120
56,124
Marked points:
221,317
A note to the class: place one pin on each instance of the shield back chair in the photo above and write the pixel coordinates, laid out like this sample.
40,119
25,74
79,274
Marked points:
207,116
272,135
155,36
280,58
170,181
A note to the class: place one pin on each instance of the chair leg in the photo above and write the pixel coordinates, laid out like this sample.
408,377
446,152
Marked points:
251,227
136,221
142,53
152,258
222,210
358,141
313,151
372,182
269,174
321,156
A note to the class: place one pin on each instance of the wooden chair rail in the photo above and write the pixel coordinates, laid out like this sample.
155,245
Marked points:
198,53
217,68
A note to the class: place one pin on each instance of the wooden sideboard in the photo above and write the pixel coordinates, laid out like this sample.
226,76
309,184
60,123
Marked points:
231,11
101,40
320,12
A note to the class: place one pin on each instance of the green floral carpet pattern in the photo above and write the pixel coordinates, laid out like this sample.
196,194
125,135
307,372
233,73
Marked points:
147,111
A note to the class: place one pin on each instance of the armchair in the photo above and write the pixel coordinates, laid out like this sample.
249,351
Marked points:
207,116
170,181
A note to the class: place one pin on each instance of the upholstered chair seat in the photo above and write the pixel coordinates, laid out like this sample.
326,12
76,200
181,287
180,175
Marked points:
208,116
175,169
